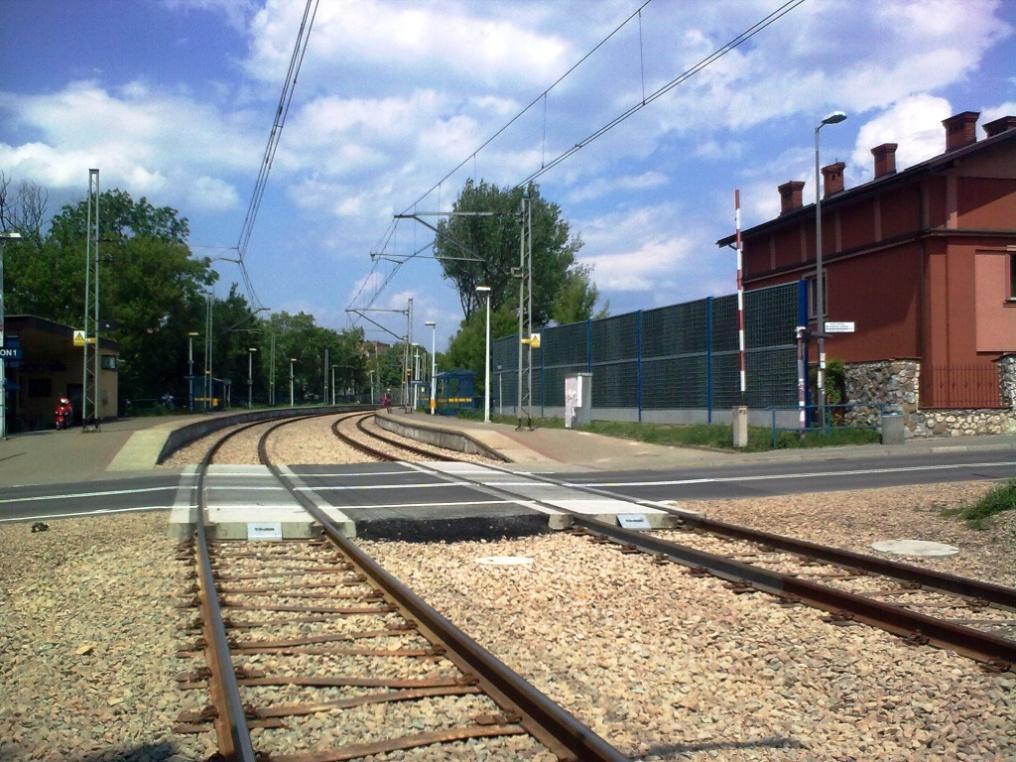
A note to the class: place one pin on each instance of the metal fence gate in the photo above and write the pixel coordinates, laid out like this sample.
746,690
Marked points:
677,363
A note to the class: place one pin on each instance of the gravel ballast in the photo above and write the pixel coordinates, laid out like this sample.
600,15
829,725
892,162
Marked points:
88,642
671,666
854,520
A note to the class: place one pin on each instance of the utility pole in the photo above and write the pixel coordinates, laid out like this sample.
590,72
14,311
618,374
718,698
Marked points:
90,413
524,272
324,373
405,365
271,376
208,351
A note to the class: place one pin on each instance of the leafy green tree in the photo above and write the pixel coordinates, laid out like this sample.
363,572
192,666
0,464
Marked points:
465,350
150,294
298,337
495,239
576,300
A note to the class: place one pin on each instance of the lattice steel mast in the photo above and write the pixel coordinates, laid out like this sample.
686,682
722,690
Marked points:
90,364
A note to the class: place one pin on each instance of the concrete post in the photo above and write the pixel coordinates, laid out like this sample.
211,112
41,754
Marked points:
739,424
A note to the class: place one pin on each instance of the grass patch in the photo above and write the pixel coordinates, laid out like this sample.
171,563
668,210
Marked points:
999,499
718,436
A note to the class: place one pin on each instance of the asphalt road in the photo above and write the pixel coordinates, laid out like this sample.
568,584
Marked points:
367,487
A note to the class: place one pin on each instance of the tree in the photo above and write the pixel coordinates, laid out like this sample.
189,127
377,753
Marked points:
465,350
151,288
298,337
495,239
577,298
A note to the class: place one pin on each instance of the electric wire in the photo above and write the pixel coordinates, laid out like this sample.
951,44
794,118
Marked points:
274,136
723,50
687,74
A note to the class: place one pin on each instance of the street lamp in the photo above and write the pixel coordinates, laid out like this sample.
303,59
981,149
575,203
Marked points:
834,118
433,366
190,369
4,238
250,376
485,290
291,401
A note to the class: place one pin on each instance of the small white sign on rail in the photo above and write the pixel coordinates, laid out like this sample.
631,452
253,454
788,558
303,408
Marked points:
264,530
633,521
841,326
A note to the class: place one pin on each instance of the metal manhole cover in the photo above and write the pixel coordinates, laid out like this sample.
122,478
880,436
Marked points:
505,561
922,548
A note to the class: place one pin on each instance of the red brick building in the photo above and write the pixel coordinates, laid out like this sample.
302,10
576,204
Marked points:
923,261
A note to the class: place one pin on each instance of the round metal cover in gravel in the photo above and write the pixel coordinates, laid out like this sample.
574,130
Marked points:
922,548
504,561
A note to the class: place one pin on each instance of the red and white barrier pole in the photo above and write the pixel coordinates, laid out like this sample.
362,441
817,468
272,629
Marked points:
740,295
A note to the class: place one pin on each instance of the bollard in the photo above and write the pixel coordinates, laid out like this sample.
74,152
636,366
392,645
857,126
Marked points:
739,423
892,429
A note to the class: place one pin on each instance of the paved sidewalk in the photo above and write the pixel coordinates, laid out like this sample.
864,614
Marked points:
127,446
553,449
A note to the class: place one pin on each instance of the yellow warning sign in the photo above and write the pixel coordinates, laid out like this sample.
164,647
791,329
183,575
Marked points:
79,338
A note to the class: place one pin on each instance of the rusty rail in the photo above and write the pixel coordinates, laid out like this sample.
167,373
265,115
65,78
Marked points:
230,720
973,643
545,720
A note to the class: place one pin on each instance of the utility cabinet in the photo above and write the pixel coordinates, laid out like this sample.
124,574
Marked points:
578,399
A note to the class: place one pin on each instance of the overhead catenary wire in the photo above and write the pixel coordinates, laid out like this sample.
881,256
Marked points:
545,166
687,74
281,112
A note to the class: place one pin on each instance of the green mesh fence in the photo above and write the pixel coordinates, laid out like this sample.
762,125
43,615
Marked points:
680,356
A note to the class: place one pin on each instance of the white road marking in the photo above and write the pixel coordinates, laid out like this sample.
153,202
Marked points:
90,513
434,505
89,494
809,475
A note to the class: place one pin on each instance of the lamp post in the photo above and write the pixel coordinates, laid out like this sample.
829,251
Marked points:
485,290
433,366
190,369
834,118
291,401
4,238
250,376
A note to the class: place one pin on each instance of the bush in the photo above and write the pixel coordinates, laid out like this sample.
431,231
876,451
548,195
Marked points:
1001,498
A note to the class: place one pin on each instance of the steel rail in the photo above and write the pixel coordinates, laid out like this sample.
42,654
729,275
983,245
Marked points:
975,644
230,721
360,425
990,592
544,719
373,451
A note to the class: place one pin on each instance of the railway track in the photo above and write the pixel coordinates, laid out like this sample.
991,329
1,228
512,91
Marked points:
307,643
362,443
922,606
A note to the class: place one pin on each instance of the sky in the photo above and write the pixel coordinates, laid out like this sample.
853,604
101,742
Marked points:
173,100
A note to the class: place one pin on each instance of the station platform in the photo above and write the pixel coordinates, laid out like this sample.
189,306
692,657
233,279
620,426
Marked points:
123,447
548,449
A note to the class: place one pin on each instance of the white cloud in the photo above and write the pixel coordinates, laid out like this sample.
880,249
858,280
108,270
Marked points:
913,123
454,40
144,140
601,186
991,113
213,194
636,249
235,12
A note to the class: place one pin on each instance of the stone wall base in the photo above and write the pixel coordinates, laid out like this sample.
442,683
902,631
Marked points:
893,386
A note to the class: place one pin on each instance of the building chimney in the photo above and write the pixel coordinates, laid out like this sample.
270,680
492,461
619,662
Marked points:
832,177
997,127
960,130
790,196
885,159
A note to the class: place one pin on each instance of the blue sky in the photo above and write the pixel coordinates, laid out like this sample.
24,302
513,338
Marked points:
173,100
